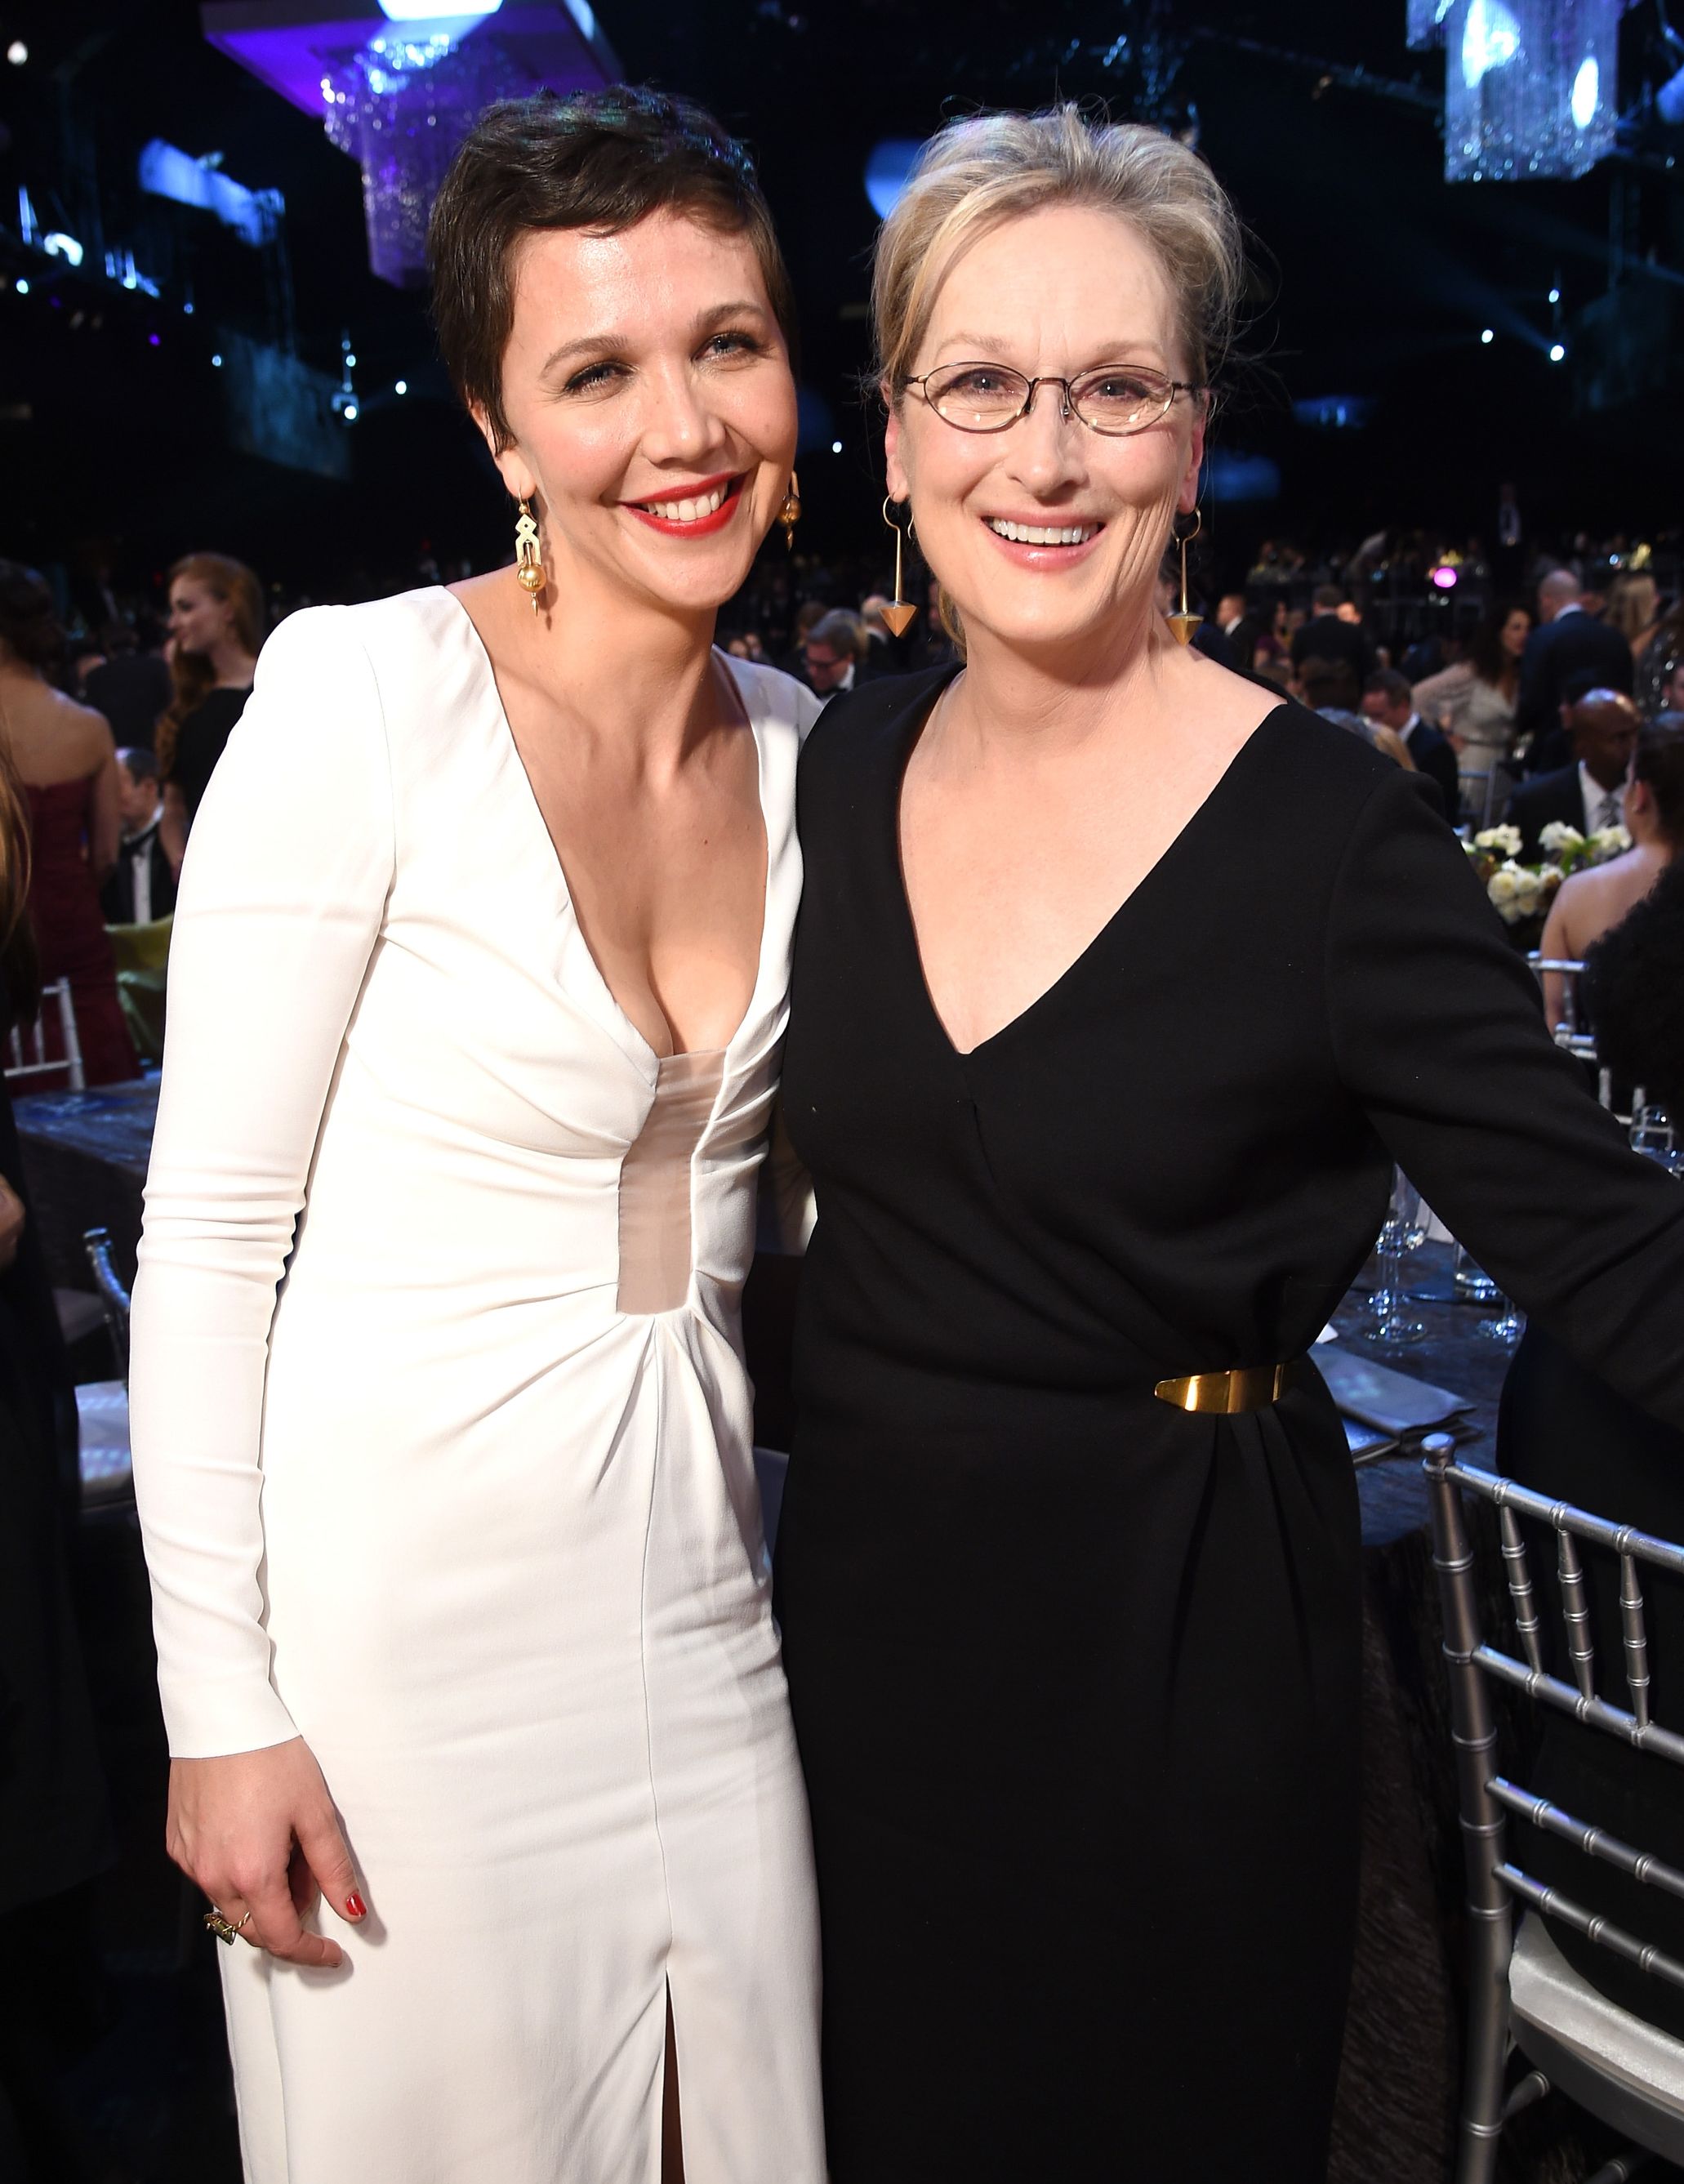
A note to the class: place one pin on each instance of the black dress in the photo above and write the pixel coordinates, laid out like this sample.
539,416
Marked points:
1074,1673
201,739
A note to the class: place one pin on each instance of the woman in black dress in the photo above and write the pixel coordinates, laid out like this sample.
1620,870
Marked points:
1117,992
215,633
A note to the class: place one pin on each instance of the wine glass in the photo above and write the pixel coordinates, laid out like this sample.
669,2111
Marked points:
1403,1231
1507,1328
1472,1283
1652,1135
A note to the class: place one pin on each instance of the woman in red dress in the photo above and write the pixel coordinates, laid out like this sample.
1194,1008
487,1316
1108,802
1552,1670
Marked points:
65,756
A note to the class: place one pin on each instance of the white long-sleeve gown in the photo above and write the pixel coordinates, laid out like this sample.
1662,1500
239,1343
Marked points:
471,1505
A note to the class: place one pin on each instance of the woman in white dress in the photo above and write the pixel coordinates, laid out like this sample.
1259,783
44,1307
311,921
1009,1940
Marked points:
441,1433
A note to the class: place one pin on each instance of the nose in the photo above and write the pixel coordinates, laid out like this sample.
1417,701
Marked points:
1045,449
681,422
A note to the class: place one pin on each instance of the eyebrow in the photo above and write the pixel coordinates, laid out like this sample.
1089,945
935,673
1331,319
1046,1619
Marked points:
985,347
610,344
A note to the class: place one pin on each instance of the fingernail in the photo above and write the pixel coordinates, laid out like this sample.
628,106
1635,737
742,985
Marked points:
354,1905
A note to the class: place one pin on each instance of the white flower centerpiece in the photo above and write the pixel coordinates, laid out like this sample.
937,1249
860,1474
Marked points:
1521,893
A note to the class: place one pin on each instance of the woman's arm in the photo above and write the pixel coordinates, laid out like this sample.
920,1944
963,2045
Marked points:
1443,697
1436,1029
282,898
172,827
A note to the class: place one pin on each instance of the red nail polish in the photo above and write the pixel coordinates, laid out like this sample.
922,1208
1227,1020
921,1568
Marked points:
354,1905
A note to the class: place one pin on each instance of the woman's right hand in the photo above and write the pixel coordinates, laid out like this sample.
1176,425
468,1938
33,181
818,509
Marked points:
257,1831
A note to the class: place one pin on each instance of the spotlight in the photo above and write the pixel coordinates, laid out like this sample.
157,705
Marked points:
402,388
217,360
186,311
153,341
350,361
836,447
1444,577
1557,353
349,413
17,52
1555,296
1488,336
22,287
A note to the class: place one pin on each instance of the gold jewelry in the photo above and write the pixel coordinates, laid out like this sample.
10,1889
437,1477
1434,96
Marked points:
528,567
1185,623
902,616
1242,1388
790,514
225,1930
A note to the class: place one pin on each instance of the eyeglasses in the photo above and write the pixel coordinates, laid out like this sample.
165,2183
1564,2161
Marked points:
986,397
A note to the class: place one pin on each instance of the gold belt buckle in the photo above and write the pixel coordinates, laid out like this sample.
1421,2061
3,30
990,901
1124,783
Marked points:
1244,1388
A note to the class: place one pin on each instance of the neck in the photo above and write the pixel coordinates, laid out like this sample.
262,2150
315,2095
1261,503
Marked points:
19,671
626,672
231,662
1023,698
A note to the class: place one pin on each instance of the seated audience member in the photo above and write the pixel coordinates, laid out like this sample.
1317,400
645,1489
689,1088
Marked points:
1329,687
216,622
1331,634
1388,703
62,756
834,651
1563,1433
1474,701
1602,730
140,887
133,687
1569,640
1595,900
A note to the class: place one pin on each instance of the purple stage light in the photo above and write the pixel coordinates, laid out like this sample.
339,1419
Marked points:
399,88
1444,577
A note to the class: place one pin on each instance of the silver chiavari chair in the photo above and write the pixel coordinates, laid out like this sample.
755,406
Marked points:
107,1477
25,1048
1570,1031
1522,1993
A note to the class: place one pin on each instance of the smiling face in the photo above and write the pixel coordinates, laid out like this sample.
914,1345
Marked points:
1049,534
648,391
198,619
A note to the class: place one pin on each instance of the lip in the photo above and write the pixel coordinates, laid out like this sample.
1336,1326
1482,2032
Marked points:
1046,559
706,526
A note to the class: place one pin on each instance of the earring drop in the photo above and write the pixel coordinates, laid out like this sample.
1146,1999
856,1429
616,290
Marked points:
790,514
528,567
1185,623
901,616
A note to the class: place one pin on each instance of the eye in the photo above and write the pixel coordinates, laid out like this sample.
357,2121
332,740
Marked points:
977,379
736,342
593,378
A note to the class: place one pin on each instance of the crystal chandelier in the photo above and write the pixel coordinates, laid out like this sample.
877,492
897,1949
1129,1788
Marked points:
1530,85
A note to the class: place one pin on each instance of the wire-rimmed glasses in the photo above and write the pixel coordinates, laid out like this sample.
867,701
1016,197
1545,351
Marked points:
1115,398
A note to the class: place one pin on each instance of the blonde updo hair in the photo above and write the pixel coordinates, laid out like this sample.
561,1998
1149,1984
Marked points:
975,175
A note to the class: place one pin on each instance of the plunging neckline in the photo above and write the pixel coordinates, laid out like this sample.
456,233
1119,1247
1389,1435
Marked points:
913,734
621,1017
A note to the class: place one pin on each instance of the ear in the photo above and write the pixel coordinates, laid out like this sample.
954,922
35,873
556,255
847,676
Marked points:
893,470
1188,499
511,466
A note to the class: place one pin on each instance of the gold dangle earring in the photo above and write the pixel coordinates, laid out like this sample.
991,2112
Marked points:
1185,623
790,514
528,567
902,616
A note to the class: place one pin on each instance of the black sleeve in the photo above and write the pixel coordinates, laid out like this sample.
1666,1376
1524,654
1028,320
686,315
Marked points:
1437,1029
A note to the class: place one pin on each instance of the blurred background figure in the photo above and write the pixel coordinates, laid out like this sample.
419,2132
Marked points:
140,887
1591,902
216,631
833,653
64,756
132,685
1388,702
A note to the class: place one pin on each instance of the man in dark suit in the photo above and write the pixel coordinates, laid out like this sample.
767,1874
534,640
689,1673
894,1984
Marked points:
1389,702
141,887
1330,635
1567,640
1603,725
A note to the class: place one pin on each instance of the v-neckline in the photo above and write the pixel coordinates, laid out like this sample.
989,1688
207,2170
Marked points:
619,1016
911,734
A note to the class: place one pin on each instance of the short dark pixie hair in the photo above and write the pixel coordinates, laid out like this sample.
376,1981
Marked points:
601,160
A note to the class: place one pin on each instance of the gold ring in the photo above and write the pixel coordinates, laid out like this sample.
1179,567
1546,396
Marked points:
225,1929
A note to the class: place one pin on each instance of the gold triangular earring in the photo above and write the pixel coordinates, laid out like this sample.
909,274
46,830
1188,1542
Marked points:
1185,623
901,616
790,514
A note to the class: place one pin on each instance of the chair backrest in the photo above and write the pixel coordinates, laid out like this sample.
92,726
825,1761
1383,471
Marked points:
27,1057
97,1243
1487,1796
